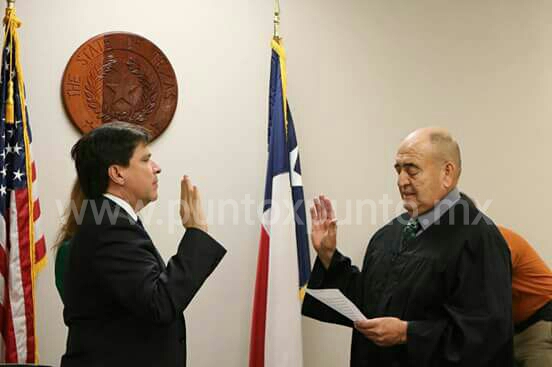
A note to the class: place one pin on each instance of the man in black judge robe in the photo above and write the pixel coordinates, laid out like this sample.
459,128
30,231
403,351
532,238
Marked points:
435,283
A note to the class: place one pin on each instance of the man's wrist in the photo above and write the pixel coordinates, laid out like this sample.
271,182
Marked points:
326,257
404,333
203,228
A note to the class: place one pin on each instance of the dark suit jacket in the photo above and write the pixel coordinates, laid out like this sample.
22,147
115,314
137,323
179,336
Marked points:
123,306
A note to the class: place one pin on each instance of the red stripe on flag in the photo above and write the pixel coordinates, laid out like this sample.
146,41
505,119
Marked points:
36,210
22,205
40,249
3,265
258,322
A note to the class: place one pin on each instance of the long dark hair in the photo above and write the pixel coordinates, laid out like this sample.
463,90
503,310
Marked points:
70,224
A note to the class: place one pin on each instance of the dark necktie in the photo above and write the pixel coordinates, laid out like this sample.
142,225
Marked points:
409,232
139,222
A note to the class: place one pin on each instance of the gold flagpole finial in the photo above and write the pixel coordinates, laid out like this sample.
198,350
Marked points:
11,23
276,20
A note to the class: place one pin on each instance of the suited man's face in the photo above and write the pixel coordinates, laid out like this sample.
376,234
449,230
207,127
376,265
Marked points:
140,178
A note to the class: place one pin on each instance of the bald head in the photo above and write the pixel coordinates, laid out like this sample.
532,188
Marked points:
438,143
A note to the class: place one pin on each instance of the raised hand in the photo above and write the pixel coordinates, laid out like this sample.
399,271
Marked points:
323,229
191,209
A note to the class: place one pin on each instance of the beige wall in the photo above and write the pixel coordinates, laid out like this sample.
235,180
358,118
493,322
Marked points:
362,74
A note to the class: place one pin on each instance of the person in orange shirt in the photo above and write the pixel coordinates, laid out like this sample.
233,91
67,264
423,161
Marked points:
531,301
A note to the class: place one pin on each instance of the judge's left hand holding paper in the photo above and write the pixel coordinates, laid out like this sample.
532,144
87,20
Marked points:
383,331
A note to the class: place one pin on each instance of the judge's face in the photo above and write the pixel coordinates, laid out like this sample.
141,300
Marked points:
420,177
140,183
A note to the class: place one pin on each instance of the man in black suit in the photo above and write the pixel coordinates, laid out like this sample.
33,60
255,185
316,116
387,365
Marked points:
123,305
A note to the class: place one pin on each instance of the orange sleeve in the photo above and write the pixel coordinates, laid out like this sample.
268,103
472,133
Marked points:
523,254
531,277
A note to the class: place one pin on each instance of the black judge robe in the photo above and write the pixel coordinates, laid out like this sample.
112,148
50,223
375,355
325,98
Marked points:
452,284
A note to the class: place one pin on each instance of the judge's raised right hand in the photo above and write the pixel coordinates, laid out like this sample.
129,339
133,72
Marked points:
324,229
191,209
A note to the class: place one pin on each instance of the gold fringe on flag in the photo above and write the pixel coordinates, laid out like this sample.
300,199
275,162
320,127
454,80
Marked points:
12,23
10,113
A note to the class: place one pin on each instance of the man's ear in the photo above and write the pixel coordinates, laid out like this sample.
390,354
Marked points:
116,174
449,174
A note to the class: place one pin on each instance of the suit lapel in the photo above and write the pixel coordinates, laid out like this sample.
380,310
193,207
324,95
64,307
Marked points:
154,249
126,218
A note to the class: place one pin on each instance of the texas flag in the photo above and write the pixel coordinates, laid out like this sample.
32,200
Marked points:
283,266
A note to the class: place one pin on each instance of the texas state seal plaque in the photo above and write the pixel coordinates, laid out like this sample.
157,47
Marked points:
120,76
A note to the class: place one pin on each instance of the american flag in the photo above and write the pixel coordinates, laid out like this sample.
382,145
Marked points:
283,266
22,244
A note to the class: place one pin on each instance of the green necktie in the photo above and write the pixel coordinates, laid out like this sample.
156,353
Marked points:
409,232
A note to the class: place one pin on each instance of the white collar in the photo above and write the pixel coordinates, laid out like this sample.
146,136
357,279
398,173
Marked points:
123,204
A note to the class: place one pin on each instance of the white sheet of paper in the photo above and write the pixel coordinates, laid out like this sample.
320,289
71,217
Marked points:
335,299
